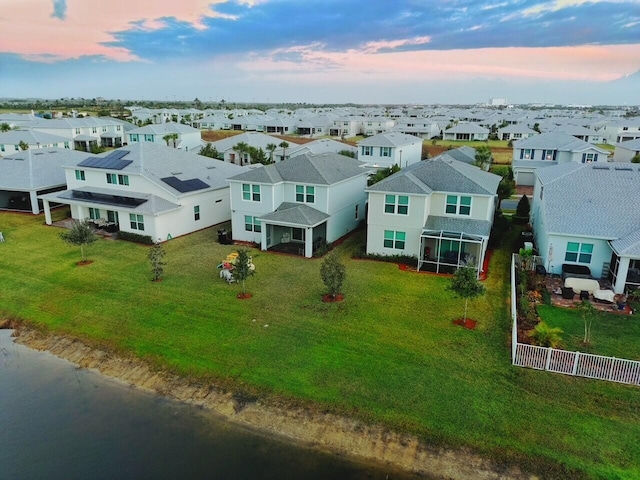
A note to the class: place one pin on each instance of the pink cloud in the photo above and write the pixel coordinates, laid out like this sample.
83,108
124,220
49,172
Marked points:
30,30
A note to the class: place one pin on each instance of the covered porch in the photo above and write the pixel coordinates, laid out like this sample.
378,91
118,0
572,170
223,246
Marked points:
84,143
624,267
295,229
449,243
111,140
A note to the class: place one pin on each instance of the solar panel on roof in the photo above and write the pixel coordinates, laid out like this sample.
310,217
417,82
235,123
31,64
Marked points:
184,186
117,154
106,163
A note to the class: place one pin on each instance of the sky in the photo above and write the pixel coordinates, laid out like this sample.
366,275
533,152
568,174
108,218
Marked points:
323,51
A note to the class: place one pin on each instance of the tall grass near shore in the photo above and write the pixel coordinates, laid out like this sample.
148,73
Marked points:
388,354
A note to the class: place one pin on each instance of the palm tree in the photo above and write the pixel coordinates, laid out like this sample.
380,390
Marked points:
270,148
284,145
169,137
5,127
242,148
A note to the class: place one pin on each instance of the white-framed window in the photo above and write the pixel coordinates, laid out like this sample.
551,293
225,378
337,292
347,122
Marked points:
385,151
80,175
367,151
588,157
527,153
77,131
548,154
396,204
357,211
119,179
578,252
251,192
305,194
123,179
393,239
94,213
66,145
118,127
196,213
252,224
458,205
104,129
148,138
137,221
94,130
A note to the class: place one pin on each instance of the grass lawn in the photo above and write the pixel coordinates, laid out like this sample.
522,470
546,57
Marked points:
388,353
612,335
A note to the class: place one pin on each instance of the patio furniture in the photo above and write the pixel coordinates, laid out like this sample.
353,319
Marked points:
567,293
584,295
604,296
580,284
575,271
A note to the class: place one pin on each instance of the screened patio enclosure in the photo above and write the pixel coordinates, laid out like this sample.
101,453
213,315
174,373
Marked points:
443,252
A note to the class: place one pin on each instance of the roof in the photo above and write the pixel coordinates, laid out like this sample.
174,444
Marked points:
164,129
440,174
462,154
633,145
629,245
557,140
390,139
31,137
37,169
593,200
322,169
253,139
457,224
466,128
295,214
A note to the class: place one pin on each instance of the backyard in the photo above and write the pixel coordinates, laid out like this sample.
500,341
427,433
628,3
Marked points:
388,354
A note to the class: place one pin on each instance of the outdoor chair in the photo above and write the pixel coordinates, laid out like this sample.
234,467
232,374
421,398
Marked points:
567,293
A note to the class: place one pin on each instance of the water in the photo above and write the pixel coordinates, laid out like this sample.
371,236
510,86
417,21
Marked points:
61,422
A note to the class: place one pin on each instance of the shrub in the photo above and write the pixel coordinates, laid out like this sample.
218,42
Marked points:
135,237
403,259
333,273
546,336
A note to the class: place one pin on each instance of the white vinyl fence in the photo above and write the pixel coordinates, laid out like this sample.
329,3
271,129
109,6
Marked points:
561,361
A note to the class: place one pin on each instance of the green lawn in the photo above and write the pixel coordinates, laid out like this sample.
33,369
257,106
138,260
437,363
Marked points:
612,335
388,354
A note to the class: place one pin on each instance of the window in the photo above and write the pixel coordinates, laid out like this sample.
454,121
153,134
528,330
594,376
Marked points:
2,148
80,175
458,205
148,138
297,234
66,145
305,194
112,216
118,128
548,155
396,204
137,221
252,224
196,213
114,179
123,179
385,151
250,192
104,129
579,252
133,137
94,130
94,213
589,157
394,239
17,148
367,151
77,131
357,211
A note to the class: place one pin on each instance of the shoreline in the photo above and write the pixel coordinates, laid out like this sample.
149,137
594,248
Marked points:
328,432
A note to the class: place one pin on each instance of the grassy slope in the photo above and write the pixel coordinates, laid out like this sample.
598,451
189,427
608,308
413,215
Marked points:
389,353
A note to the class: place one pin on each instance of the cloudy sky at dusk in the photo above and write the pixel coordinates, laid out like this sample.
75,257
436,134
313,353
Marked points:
363,51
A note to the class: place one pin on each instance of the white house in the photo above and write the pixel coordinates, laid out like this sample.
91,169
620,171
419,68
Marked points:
549,149
177,135
466,131
587,214
10,141
227,146
515,132
299,204
390,148
148,189
322,145
439,211
625,151
419,127
346,127
84,132
376,125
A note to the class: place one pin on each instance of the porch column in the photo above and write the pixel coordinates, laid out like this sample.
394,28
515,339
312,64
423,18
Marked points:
35,209
308,242
47,212
621,277
263,237
483,250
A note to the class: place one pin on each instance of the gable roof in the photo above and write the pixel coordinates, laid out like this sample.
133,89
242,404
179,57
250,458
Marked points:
31,137
253,139
633,145
389,139
322,169
466,128
592,200
557,140
164,129
440,174
295,214
462,154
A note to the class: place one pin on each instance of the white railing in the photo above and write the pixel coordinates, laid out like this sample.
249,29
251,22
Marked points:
562,361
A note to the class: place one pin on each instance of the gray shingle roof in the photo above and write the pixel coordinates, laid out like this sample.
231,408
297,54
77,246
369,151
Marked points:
628,245
629,144
455,224
322,169
546,175
164,129
462,154
295,214
441,174
557,140
32,137
594,200
389,139
466,128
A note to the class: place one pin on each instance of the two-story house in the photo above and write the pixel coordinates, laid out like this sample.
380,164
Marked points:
375,125
439,211
301,203
515,132
10,141
148,189
549,149
390,148
176,135
626,151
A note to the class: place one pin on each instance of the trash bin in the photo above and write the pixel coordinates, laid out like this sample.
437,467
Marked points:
222,236
540,270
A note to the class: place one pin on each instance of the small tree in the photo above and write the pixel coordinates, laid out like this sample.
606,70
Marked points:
271,148
243,268
210,151
333,273
156,255
588,313
347,153
483,157
522,211
23,145
284,145
636,159
5,127
80,234
465,285
546,336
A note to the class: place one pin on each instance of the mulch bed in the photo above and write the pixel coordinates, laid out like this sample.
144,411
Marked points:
327,298
244,296
468,323
82,263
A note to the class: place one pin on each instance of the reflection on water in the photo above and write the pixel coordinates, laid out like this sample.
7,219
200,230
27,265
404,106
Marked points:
61,422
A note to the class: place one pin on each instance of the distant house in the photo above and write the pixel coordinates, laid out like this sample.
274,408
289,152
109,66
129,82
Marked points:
549,149
625,151
466,131
580,132
376,125
347,127
419,127
620,130
85,132
303,202
176,135
314,125
439,211
25,175
587,214
10,141
147,189
390,148
515,132
323,145
227,146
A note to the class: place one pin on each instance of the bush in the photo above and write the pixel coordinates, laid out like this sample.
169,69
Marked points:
403,259
135,237
546,336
